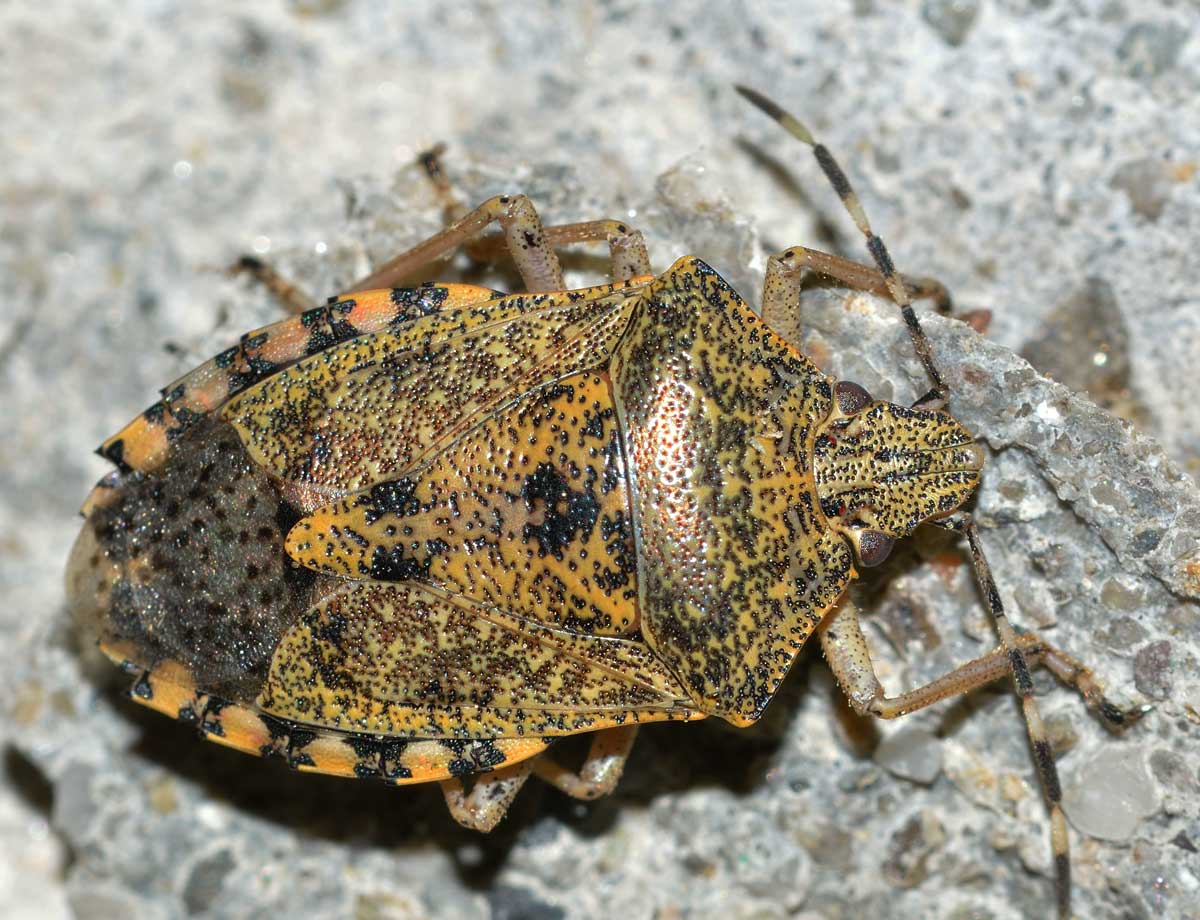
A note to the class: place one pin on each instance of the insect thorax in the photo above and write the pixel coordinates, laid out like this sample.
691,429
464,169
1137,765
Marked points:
736,564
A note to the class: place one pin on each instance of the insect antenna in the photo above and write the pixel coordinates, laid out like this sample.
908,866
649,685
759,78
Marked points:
936,397
961,523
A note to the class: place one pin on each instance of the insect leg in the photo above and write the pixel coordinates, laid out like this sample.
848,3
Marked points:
846,650
626,246
963,523
290,296
849,657
936,397
523,235
489,799
601,769
784,282
431,162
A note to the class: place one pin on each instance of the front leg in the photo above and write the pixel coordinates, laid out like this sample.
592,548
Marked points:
785,275
849,658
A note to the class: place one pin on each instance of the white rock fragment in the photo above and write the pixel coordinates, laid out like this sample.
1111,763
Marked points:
912,754
1109,796
1049,414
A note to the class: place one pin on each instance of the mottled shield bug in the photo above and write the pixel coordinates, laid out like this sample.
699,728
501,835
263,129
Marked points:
419,533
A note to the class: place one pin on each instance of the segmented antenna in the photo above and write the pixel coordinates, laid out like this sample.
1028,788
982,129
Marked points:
936,397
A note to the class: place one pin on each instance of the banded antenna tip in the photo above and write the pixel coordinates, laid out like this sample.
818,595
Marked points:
789,123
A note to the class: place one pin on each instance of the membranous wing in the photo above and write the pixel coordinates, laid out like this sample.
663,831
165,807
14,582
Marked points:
528,511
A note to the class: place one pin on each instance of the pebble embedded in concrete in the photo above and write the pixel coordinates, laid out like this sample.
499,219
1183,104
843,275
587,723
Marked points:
911,753
1111,795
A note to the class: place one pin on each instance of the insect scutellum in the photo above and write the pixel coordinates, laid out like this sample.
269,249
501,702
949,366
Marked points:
877,547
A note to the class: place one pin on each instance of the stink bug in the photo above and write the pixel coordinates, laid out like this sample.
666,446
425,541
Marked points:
419,533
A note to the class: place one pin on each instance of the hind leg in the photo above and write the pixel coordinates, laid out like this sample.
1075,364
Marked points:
489,799
492,794
627,248
601,768
522,237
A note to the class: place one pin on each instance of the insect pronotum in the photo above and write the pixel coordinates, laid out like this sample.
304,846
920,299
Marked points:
418,533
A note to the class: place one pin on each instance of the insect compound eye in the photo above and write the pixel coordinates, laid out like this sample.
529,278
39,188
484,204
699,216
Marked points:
851,397
874,547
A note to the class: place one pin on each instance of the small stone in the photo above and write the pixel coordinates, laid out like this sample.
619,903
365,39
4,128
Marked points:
1061,732
1173,770
510,903
857,779
162,794
74,805
828,844
206,880
1178,779
1084,343
1122,634
1152,669
911,753
1119,596
27,706
1037,604
1147,183
1111,795
1151,48
1145,541
386,906
1184,618
1184,842
951,19
98,902
911,847
970,912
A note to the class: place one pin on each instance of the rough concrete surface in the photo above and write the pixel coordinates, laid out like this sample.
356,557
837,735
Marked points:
1038,156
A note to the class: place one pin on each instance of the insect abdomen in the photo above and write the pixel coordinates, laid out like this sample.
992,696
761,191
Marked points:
187,563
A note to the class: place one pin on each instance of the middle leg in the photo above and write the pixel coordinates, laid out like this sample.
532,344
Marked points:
849,658
522,232
626,246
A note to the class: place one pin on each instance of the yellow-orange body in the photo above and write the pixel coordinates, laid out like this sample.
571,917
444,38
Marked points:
418,533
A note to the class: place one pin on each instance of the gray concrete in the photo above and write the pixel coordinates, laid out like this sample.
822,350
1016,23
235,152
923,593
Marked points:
1038,156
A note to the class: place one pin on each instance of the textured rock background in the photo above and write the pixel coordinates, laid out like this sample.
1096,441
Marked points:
1039,156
